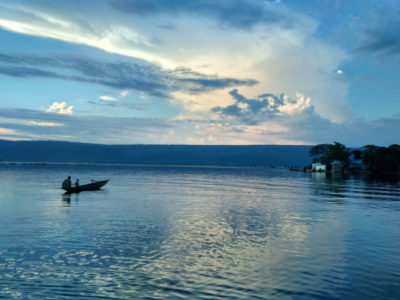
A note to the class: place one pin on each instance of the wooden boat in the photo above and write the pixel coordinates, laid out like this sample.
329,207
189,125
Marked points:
96,185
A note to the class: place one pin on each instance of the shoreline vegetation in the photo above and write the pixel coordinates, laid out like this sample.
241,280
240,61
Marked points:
337,158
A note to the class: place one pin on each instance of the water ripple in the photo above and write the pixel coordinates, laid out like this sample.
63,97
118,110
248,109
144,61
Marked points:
193,233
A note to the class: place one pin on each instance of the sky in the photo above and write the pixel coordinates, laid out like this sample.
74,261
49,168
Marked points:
238,72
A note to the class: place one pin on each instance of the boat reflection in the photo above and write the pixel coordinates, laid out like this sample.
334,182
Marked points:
66,199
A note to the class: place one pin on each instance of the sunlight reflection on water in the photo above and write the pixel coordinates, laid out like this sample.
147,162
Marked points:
158,232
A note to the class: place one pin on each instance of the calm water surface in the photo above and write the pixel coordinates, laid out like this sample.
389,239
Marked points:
197,233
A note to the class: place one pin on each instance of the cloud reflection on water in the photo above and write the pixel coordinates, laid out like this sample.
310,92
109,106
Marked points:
197,232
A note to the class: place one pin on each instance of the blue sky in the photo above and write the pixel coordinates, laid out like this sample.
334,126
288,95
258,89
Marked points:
200,72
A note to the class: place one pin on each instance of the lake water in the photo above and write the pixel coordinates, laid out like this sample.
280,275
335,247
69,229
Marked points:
197,233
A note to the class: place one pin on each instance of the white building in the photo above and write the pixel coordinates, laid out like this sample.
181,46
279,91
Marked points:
318,167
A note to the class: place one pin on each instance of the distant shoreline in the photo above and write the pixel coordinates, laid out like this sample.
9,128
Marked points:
42,152
20,163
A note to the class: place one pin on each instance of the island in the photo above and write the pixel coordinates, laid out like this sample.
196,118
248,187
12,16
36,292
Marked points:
337,157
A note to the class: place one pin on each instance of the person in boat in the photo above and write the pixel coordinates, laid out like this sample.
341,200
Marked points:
67,183
77,183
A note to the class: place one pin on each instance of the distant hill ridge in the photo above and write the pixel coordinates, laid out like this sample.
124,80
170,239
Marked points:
55,151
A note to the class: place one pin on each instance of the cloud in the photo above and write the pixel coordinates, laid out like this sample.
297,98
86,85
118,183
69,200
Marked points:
60,108
7,131
45,124
198,54
315,129
379,33
121,74
30,114
264,107
114,130
118,101
305,127
383,39
123,94
271,46
302,127
235,13
108,98
28,72
124,104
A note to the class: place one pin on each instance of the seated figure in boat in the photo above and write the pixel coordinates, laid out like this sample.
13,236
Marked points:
77,183
67,183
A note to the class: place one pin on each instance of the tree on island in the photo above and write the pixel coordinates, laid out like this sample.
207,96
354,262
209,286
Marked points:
326,153
382,159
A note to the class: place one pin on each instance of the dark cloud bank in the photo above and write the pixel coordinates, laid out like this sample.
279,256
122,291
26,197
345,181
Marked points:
383,39
131,74
235,13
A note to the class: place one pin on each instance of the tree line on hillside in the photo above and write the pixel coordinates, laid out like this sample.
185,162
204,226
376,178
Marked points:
375,159
225,155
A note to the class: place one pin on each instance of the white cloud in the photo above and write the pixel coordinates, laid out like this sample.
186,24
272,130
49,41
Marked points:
108,98
291,107
7,131
45,124
60,108
123,94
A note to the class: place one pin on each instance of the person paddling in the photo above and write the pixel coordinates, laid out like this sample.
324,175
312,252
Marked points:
67,183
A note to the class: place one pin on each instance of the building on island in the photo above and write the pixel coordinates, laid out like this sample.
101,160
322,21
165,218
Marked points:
318,167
